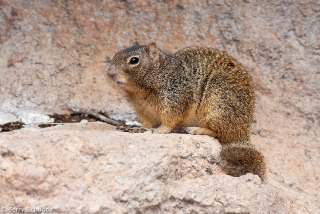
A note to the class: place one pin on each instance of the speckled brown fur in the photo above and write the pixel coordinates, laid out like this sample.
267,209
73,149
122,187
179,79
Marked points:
198,90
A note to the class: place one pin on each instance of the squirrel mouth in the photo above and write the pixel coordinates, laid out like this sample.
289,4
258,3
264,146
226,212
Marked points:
121,84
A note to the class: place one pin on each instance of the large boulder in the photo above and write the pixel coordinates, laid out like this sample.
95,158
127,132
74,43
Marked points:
94,168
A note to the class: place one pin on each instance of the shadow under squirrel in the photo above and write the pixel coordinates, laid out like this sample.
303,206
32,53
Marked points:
198,91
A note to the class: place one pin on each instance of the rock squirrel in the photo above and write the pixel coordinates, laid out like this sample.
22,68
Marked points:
197,90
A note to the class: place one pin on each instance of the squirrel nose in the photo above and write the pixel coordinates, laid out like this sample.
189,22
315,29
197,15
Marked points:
111,71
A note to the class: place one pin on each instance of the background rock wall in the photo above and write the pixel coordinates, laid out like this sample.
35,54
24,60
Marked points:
54,53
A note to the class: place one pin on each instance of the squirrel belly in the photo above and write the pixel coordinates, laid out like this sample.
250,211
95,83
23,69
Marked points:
197,90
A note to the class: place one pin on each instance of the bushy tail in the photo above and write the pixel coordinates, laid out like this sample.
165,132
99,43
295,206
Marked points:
241,158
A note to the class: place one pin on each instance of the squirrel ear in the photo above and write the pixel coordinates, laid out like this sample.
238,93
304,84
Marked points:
153,51
135,44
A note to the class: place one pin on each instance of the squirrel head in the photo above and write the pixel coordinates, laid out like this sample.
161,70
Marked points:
128,65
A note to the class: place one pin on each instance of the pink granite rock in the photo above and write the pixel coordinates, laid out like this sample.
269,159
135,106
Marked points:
94,168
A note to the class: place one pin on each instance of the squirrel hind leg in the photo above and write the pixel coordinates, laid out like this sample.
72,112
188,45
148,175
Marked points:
240,159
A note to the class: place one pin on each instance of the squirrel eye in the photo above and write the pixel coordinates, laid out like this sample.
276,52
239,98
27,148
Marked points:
134,60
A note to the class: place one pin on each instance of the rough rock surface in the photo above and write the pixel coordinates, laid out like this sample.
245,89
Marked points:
93,168
6,117
54,57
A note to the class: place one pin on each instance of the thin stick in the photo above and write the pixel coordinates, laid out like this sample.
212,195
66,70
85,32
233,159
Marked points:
103,118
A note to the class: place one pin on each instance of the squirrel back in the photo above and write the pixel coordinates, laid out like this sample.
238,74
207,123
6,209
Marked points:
196,90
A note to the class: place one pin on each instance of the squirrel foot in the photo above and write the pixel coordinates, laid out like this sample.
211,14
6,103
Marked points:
162,130
198,131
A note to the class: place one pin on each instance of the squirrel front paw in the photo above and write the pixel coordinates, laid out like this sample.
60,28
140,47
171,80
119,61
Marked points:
162,130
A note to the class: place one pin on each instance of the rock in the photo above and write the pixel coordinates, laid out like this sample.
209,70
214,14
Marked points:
93,168
16,57
63,55
33,116
6,117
